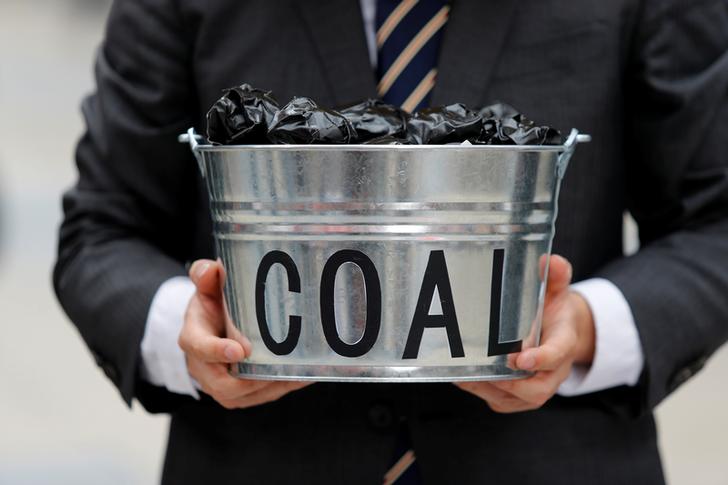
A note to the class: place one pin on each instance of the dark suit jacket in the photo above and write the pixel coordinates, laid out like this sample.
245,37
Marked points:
647,78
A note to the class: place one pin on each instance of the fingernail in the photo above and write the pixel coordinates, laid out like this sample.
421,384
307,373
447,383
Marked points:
527,362
230,353
202,269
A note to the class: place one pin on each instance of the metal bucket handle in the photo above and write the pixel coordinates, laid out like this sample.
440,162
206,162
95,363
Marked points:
574,138
194,140
569,146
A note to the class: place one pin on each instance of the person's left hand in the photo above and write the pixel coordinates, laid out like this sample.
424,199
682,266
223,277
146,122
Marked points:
567,338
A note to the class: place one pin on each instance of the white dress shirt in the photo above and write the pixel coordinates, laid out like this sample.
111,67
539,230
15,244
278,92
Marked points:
618,359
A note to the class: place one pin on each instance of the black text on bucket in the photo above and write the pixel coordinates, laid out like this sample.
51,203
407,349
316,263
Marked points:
435,277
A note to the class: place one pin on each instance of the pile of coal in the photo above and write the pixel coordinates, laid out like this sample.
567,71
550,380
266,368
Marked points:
246,115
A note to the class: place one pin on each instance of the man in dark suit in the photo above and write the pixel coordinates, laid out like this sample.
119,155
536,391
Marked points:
647,78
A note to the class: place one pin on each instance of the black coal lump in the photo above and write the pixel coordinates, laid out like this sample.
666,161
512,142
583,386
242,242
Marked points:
241,116
302,121
504,125
445,124
374,118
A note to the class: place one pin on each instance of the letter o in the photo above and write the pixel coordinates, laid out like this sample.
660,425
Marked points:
374,303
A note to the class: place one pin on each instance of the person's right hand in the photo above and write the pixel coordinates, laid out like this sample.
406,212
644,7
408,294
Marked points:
209,354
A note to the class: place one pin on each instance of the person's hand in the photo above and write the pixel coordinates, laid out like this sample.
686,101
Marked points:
567,338
209,354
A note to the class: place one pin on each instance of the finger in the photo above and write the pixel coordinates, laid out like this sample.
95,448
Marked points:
271,392
215,380
482,389
222,274
207,277
486,391
515,406
232,332
542,265
536,390
511,360
557,347
498,400
198,341
559,274
530,341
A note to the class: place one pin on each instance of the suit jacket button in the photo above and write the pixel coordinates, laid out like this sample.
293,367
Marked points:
97,357
110,371
685,373
381,416
698,364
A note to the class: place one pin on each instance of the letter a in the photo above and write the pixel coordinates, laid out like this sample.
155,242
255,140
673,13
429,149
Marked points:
435,277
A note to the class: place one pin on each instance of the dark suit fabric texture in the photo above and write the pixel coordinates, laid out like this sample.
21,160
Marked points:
647,79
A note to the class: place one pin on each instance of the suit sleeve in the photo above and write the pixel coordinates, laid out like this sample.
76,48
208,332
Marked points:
677,284
126,226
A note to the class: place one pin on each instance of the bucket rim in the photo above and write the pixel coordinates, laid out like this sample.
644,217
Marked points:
200,143
208,147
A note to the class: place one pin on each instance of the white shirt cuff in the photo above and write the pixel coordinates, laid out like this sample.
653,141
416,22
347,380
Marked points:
618,357
163,362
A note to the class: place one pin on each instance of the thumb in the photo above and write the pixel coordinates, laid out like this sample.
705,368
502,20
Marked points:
559,273
207,277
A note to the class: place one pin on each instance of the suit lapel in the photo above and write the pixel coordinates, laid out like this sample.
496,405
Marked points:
337,30
473,40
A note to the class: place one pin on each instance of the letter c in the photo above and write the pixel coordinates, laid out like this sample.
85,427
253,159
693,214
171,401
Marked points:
294,285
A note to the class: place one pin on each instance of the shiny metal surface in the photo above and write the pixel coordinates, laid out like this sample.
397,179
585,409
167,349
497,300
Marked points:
366,247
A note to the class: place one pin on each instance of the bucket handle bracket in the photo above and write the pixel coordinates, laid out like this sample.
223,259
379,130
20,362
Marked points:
193,139
569,146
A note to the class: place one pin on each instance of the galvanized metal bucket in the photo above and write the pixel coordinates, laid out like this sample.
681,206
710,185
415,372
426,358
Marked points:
383,263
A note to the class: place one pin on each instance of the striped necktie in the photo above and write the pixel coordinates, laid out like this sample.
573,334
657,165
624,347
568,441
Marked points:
408,42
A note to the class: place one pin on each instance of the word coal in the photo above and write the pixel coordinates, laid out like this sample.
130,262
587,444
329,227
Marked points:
436,278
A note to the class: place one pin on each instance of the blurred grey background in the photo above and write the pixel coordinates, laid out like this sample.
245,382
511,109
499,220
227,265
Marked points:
61,421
